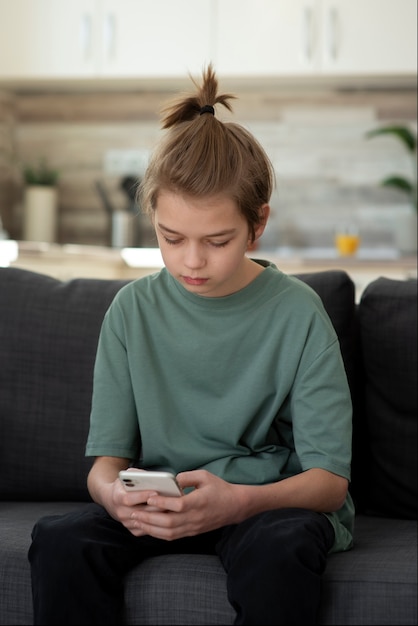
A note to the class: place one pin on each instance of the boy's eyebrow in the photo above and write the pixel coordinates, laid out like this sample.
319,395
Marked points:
221,233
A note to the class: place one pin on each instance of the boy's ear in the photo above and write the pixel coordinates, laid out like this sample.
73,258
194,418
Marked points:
264,216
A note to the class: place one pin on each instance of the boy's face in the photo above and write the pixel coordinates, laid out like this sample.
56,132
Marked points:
203,242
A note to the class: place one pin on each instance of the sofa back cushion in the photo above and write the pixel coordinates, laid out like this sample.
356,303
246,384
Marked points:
48,337
337,291
388,326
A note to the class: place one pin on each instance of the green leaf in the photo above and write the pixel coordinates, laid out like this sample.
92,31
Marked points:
399,182
40,174
404,134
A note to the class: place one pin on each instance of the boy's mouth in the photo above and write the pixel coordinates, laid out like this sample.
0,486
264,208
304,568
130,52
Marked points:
189,280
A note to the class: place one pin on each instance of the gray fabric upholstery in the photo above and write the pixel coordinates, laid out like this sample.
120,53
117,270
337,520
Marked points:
375,583
388,326
16,522
48,337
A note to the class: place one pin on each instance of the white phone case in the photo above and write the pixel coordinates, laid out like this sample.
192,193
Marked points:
163,482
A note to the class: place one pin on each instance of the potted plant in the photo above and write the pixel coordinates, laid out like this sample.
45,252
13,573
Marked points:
405,226
40,202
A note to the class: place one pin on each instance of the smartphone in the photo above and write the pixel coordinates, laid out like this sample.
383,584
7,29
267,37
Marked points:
163,482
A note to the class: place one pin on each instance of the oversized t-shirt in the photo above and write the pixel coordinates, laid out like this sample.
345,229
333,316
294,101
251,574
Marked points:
249,386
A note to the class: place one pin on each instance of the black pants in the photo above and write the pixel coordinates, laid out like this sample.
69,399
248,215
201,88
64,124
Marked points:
273,561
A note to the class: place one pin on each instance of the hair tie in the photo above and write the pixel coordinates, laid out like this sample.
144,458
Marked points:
208,108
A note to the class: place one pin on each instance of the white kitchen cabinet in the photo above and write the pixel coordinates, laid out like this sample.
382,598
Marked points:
155,38
103,38
47,38
134,39
266,37
316,37
370,37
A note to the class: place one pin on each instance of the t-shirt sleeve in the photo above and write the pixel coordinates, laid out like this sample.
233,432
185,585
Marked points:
321,411
114,429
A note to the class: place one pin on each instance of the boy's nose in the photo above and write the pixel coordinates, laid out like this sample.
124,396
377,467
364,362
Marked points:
194,257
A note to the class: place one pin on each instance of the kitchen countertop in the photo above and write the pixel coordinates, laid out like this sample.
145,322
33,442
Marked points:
76,261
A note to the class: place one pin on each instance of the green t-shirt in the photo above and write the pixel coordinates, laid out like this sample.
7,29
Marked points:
249,386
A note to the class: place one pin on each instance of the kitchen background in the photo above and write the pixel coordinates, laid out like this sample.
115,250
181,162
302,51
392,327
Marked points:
327,171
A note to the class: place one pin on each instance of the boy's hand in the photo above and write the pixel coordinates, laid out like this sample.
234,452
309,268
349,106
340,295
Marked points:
212,503
123,505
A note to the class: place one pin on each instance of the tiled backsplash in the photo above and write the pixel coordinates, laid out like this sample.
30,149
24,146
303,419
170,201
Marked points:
327,172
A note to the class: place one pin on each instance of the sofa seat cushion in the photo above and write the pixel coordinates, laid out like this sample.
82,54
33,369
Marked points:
374,583
16,522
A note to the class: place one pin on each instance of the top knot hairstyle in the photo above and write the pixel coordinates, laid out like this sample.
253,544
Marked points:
202,156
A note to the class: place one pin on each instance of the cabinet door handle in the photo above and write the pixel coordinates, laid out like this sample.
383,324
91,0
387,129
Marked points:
308,33
109,36
333,33
85,33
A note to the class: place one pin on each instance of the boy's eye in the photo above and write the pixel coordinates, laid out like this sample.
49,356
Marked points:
172,242
214,244
219,244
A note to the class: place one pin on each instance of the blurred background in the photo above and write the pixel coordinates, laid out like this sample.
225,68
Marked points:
81,84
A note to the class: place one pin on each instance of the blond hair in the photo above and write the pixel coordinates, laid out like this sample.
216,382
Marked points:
202,156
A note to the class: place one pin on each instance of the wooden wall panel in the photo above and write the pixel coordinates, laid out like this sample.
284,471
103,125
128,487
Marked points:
326,170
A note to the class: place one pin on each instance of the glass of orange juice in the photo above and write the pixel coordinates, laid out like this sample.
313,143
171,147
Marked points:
347,240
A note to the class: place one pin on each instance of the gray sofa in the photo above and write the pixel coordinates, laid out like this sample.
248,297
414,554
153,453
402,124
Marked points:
48,336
